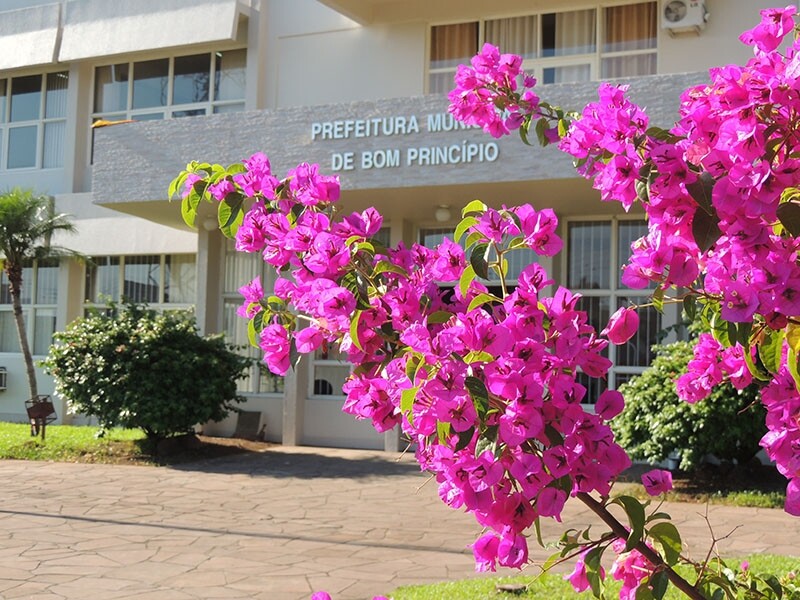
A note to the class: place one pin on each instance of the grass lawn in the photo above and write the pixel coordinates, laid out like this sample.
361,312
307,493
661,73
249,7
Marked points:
69,444
554,587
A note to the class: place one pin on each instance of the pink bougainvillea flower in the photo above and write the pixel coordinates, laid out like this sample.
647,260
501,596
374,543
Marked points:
609,404
622,325
320,596
657,481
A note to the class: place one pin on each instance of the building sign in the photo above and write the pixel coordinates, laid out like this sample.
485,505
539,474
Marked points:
408,142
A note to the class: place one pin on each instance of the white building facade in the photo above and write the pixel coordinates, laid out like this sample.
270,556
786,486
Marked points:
356,85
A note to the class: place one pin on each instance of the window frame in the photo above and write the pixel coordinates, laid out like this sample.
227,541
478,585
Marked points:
536,66
616,292
40,122
30,308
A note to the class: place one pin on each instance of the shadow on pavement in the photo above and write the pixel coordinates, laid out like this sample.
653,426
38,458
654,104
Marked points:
306,465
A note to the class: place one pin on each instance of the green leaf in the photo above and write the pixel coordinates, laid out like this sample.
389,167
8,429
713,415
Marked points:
789,216
354,329
384,266
464,438
479,394
705,229
407,400
440,316
476,356
462,227
443,431
658,300
523,130
719,329
659,582
690,306
769,350
701,191
541,135
666,534
755,369
482,299
467,277
478,260
636,517
189,209
791,363
476,207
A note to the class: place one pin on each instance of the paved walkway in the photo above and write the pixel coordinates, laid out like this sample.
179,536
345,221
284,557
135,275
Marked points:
275,526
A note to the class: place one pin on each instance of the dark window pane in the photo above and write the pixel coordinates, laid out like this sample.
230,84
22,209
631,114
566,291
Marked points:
22,147
192,74
9,340
44,326
148,117
452,45
3,86
196,112
568,33
180,278
55,105
589,255
228,108
594,387
569,74
150,81
230,78
26,97
111,88
102,279
142,278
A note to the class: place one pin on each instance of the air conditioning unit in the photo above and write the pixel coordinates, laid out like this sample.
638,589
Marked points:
683,16
3,379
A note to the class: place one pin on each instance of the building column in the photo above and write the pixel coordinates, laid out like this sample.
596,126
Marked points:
294,403
210,250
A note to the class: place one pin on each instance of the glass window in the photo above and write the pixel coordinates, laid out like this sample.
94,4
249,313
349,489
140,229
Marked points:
628,66
54,138
557,47
432,237
195,112
9,340
102,279
55,105
452,45
568,33
629,232
150,83
589,255
517,35
180,278
47,282
111,88
44,326
26,97
228,108
142,278
637,352
2,102
568,74
5,288
229,81
630,27
22,147
191,79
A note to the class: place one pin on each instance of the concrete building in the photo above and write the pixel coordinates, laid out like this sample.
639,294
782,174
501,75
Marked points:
356,85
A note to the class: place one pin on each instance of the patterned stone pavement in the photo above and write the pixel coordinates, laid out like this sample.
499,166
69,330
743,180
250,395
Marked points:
275,526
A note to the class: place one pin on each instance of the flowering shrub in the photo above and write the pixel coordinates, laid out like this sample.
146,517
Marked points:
484,384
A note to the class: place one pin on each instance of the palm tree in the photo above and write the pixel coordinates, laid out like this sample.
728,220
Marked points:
27,223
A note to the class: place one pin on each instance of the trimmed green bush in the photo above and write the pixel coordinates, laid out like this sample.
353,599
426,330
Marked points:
655,422
136,368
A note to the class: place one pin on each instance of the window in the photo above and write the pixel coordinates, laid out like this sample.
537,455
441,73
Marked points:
33,111
557,47
596,251
182,86
39,302
240,269
165,280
